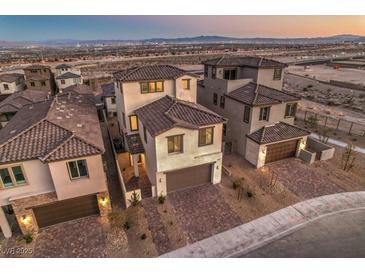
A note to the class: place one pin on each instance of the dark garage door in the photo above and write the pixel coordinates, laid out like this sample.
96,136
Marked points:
187,177
280,151
66,210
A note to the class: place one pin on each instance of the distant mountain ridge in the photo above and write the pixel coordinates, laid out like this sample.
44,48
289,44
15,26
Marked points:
193,40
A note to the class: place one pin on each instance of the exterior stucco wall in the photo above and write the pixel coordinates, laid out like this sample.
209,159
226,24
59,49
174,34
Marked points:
266,78
252,152
67,188
39,180
186,95
13,87
68,82
110,107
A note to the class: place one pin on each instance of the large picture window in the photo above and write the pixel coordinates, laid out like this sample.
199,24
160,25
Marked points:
12,176
151,87
175,144
133,122
77,169
206,136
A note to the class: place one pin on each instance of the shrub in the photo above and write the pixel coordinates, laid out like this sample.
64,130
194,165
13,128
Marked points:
250,194
161,199
126,225
116,218
27,237
305,89
135,199
348,158
237,183
143,236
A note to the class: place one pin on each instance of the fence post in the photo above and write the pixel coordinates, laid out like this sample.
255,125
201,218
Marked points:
338,124
351,128
305,117
325,121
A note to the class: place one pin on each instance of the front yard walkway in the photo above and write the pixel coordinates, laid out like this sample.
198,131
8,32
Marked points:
202,212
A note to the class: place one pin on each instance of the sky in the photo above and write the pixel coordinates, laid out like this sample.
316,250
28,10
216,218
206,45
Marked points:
35,28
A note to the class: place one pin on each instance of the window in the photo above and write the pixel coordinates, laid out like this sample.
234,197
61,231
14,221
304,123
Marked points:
43,84
222,102
246,114
264,114
224,129
150,87
214,72
175,144
6,87
215,98
206,136
290,110
133,122
77,169
205,71
145,134
12,176
113,100
124,122
277,73
63,82
32,84
44,70
186,84
229,74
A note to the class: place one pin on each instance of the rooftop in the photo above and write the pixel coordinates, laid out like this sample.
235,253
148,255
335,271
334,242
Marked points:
277,132
167,112
108,90
37,67
152,72
256,62
134,143
63,66
254,94
68,75
10,77
63,127
19,99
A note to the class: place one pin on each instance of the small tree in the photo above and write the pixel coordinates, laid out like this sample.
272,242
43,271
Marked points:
348,158
135,199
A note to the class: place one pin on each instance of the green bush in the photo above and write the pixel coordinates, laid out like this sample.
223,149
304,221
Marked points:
161,199
126,225
237,183
135,199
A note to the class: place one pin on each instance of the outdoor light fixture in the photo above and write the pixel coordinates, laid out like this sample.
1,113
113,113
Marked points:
25,219
103,201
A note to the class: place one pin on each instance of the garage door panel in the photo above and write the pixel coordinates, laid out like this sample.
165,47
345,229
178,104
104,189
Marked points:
66,210
188,177
280,151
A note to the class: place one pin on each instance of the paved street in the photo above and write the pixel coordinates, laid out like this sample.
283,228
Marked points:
340,235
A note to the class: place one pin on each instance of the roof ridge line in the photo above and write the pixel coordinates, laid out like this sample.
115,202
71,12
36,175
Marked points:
56,147
191,105
263,134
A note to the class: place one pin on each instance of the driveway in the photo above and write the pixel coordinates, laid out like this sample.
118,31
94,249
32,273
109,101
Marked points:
202,212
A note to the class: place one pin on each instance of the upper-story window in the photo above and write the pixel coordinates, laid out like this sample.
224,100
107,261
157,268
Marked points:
43,83
277,73
290,110
77,169
112,100
214,72
222,102
264,114
153,86
215,98
34,71
11,177
145,134
175,144
206,136
6,87
205,71
32,84
224,129
246,114
133,122
63,82
230,74
186,84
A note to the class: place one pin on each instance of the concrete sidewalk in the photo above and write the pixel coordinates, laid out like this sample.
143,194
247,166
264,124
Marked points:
248,237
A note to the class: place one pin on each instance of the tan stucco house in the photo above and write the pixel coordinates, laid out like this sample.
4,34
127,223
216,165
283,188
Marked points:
51,167
11,82
67,76
178,141
40,77
248,92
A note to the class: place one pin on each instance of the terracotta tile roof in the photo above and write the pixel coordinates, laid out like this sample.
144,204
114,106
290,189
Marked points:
63,127
246,61
68,75
10,77
255,95
134,143
21,98
167,112
152,72
63,66
108,90
278,132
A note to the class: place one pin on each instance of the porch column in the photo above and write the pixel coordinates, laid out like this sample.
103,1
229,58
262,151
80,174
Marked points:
5,227
135,164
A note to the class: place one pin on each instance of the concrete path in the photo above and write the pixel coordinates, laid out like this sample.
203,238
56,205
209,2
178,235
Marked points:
244,239
340,143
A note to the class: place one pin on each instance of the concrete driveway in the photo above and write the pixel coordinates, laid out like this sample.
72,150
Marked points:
202,211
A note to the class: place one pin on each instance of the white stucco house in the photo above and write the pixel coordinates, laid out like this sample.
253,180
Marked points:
51,169
248,92
11,82
177,140
66,76
108,98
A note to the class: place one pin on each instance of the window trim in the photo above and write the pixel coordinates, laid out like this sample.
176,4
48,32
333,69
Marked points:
6,86
43,84
205,144
215,99
214,72
63,82
247,121
32,84
189,84
222,102
261,113
148,86
78,171
182,144
12,176
230,70
130,122
275,77
291,107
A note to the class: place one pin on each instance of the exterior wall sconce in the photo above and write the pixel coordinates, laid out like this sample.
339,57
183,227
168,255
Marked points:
103,201
25,219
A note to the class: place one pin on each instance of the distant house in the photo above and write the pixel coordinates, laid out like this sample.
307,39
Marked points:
175,140
56,172
108,97
62,68
11,82
39,77
67,76
248,92
13,103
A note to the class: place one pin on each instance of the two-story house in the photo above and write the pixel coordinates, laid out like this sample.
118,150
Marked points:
178,140
11,82
248,92
108,98
67,76
51,169
40,77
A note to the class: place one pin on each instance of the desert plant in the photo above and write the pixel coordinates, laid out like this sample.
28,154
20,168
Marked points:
348,158
313,121
250,193
143,236
27,237
135,199
126,225
161,199
237,183
116,218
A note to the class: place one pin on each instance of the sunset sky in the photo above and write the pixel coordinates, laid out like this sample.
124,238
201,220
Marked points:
18,28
